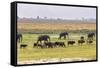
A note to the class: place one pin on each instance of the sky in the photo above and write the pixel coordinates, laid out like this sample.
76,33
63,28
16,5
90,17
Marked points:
51,11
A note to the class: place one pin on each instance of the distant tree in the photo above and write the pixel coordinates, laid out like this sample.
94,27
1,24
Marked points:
58,18
83,19
38,17
45,17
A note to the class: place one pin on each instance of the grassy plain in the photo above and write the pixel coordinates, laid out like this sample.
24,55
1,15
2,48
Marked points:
53,30
73,51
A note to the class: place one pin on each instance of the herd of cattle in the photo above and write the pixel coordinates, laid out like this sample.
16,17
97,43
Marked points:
43,41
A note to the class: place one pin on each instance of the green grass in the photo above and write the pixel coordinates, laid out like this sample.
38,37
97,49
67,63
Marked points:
73,51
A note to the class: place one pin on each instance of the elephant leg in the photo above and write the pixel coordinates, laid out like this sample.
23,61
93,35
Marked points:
21,39
37,42
64,45
64,37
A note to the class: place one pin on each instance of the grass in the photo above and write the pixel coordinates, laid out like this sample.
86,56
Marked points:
53,27
57,26
73,51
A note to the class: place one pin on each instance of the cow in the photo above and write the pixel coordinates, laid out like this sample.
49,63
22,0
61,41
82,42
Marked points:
81,41
60,44
63,34
35,45
23,45
43,38
71,42
89,41
49,44
38,45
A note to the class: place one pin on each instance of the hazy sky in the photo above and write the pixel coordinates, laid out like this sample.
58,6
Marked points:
49,11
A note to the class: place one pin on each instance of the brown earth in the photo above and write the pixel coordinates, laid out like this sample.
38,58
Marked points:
57,26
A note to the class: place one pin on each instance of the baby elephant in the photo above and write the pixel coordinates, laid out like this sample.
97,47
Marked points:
23,45
71,42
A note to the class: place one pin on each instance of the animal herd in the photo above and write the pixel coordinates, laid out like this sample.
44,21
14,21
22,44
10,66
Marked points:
49,44
44,41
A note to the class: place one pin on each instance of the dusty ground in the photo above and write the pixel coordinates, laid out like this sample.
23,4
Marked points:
54,60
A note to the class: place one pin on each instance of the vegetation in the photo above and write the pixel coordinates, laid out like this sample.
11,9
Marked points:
55,27
73,51
31,31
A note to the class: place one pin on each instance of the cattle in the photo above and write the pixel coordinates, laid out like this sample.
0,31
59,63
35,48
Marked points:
81,42
70,42
23,45
89,41
35,45
38,45
45,38
60,44
19,37
49,44
63,34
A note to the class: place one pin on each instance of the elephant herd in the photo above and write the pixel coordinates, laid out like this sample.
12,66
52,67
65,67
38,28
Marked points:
42,38
43,41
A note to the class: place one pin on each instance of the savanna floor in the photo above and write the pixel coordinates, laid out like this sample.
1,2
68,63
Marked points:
65,54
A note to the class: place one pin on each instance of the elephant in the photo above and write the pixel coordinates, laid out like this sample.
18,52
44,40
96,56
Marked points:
91,35
19,37
63,34
45,38
71,42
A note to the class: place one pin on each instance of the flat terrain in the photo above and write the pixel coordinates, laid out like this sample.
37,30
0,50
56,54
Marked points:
29,53
56,26
73,51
